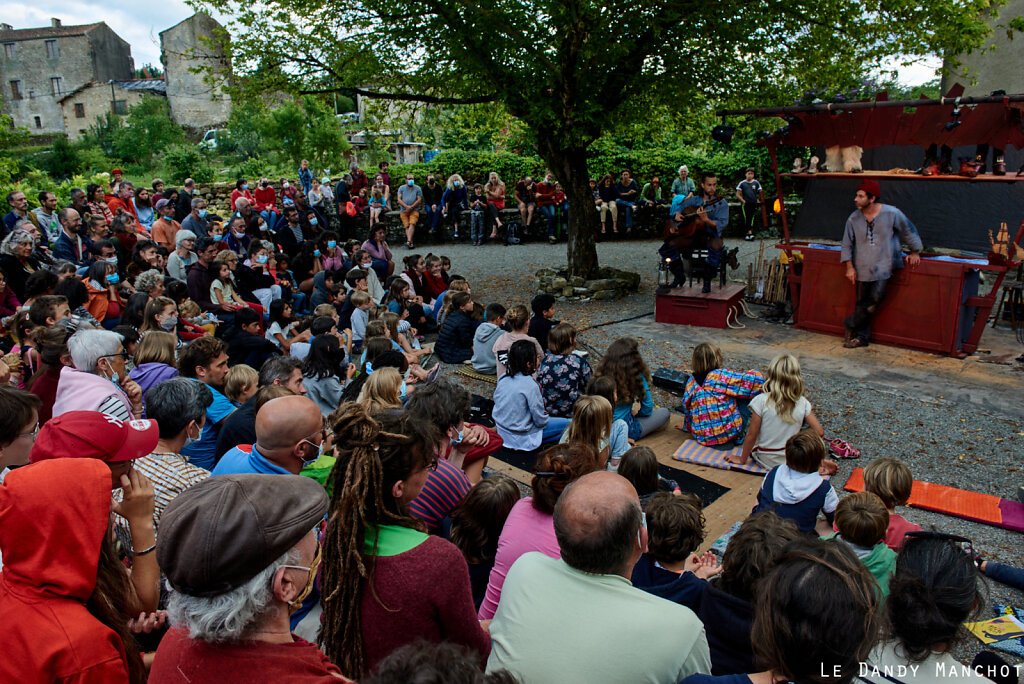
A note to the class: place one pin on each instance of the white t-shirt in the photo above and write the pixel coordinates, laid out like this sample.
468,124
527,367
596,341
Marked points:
770,449
275,328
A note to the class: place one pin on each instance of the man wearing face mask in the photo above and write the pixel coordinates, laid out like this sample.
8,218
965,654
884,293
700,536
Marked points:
290,236
410,198
290,435
196,221
432,204
257,559
99,379
165,228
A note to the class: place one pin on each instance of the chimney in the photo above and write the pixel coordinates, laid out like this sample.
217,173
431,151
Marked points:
54,22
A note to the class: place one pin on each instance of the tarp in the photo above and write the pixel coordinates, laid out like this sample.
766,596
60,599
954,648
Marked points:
953,214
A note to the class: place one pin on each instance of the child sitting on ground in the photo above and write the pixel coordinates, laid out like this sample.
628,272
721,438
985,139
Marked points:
487,333
518,320
591,422
640,466
891,481
282,327
862,521
562,375
518,406
245,343
796,490
670,568
618,435
777,414
624,364
455,341
241,382
361,305
713,416
543,320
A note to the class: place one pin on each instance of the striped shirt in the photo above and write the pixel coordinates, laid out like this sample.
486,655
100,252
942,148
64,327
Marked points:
442,492
712,416
171,475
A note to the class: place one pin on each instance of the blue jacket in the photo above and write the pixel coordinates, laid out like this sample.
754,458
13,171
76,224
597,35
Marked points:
66,248
682,588
455,341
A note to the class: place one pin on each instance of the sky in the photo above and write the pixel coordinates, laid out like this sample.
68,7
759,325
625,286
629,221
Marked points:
141,23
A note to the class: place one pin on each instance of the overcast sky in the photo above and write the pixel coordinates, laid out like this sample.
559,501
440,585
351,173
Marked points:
141,23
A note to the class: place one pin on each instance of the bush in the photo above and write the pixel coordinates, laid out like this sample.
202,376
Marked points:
186,161
474,167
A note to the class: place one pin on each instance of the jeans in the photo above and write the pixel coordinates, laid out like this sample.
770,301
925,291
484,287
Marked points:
554,429
627,209
270,217
869,298
549,213
433,212
476,222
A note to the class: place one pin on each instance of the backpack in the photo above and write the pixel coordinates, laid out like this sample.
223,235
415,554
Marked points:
350,208
512,232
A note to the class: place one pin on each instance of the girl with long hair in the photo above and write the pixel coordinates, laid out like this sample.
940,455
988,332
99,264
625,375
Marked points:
623,364
385,582
591,426
281,327
476,527
161,315
777,414
382,391
519,413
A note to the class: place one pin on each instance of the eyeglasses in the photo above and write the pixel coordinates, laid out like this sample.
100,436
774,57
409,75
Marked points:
123,354
964,543
33,433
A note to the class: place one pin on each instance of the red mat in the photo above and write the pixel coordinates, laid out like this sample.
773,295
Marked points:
960,503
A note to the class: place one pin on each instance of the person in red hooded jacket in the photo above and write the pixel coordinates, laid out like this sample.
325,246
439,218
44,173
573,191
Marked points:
62,588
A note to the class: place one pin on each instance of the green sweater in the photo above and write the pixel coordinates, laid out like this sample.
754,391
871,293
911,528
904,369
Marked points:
880,561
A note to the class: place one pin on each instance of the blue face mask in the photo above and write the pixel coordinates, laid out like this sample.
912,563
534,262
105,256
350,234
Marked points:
461,436
457,184
331,244
402,392
313,221
245,186
410,182
262,259
113,279
316,252
202,213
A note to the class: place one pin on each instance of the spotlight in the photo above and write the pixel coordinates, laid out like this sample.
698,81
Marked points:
723,134
777,206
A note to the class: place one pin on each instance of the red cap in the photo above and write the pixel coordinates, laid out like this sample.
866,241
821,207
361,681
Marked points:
870,187
116,171
91,434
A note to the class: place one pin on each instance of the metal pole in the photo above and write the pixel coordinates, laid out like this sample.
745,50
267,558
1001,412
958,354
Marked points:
871,104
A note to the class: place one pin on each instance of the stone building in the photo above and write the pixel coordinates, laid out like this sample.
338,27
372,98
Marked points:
997,66
39,66
82,106
196,68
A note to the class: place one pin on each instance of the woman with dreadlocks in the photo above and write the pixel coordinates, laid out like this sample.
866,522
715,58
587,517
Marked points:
385,581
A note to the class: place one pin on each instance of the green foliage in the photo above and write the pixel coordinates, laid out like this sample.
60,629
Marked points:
187,161
148,130
35,182
254,167
345,104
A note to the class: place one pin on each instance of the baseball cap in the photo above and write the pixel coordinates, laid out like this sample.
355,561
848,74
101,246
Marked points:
217,535
91,434
162,203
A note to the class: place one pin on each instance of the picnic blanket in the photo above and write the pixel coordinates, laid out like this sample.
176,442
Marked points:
694,452
470,373
960,503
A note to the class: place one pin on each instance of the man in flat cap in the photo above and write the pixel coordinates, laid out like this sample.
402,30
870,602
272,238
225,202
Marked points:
239,552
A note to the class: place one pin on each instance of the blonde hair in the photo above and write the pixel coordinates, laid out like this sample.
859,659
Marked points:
327,310
381,390
390,320
457,285
889,479
239,378
784,385
189,309
591,422
359,298
226,255
518,317
706,358
156,347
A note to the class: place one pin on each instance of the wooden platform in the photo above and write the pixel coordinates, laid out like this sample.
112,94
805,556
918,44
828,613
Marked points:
732,506
690,306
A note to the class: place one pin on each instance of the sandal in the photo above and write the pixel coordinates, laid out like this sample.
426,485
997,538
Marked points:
842,449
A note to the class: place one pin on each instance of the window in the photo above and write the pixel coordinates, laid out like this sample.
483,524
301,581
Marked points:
51,49
15,90
9,51
39,122
79,110
55,85
120,107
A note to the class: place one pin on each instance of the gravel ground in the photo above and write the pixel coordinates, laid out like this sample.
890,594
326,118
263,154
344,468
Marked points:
954,423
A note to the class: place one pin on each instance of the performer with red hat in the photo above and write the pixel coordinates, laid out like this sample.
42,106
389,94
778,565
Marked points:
871,252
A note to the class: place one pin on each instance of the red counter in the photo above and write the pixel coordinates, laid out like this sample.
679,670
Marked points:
921,309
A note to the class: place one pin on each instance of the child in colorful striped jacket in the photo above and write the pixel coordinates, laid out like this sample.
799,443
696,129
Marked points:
710,400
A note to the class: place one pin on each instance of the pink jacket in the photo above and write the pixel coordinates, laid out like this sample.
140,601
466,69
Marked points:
81,391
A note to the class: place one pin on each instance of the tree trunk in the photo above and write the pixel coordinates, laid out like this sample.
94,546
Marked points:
570,169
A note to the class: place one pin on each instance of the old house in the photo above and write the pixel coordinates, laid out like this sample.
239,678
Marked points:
39,66
82,106
196,67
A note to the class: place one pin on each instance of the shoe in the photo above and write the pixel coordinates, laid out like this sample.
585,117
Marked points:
456,236
749,237
930,167
999,167
855,342
551,239
968,168
847,336
409,245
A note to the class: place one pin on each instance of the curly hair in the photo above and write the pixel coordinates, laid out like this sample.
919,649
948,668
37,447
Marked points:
623,363
676,526
556,468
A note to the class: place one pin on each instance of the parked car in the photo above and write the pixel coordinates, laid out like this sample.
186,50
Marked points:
209,141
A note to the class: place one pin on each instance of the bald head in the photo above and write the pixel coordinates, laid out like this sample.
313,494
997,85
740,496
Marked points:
283,422
596,522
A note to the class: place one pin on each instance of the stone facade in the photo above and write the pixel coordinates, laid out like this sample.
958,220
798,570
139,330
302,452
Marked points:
39,66
83,106
997,68
197,99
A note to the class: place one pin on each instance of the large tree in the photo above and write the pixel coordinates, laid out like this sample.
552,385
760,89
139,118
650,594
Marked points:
570,69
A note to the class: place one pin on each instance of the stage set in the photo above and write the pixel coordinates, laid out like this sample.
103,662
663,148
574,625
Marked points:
931,158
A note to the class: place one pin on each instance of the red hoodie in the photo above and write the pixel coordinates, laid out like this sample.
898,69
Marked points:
53,516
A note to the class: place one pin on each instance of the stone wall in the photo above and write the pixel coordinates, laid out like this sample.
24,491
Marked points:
611,283
196,102
96,100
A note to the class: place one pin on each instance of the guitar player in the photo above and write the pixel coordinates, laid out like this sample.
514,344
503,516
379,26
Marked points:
712,215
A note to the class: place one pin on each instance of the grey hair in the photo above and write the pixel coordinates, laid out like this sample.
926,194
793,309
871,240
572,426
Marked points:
18,236
176,402
147,280
279,368
64,266
196,201
231,616
183,235
88,346
683,168
240,203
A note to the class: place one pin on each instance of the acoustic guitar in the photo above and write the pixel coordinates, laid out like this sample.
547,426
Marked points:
690,224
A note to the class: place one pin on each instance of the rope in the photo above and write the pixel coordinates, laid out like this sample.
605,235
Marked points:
733,313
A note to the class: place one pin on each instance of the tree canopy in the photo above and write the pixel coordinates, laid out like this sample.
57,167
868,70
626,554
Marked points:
572,70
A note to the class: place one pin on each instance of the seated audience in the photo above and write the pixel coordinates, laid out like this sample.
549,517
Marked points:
99,379
618,434
241,383
425,662
154,360
53,356
623,363
891,480
419,585
518,406
543,320
205,359
476,526
711,399
530,526
796,490
325,372
234,579
562,375
486,335
590,427
556,615
640,466
518,320
455,340
382,391
246,344
289,436
240,427
19,422
862,521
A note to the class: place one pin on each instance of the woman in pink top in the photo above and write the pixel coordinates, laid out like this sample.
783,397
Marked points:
530,526
377,246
